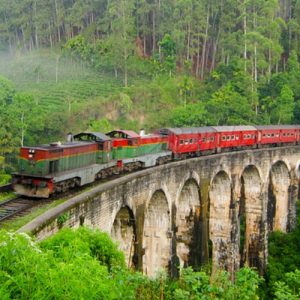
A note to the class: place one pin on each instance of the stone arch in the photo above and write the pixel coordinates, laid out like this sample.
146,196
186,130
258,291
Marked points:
220,221
278,196
124,232
157,237
188,225
250,218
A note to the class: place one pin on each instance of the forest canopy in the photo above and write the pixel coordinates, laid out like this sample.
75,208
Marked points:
98,64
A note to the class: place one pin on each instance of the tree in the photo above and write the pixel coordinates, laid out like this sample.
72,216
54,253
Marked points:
168,57
190,115
283,107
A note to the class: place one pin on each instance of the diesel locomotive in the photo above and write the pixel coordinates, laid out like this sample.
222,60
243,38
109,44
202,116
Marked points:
88,156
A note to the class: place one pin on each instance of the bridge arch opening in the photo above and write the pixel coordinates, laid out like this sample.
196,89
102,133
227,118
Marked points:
124,232
279,195
157,237
250,218
220,221
188,224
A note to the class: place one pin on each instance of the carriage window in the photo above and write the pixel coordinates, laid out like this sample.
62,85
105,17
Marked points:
277,134
264,135
181,142
223,138
203,140
237,137
100,146
272,135
191,141
228,137
284,134
186,141
195,141
212,138
245,136
253,136
232,137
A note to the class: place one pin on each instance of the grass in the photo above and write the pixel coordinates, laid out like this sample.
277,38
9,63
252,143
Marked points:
7,196
17,223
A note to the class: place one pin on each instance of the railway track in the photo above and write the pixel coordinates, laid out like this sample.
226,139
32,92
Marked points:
13,207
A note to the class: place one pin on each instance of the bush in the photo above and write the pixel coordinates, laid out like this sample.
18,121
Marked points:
70,265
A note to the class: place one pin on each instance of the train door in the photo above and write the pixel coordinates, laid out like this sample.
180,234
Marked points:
53,166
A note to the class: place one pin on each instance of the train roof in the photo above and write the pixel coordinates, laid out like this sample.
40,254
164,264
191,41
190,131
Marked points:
186,130
93,136
234,128
276,127
59,145
123,134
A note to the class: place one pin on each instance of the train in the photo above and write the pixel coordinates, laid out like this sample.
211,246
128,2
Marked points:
88,156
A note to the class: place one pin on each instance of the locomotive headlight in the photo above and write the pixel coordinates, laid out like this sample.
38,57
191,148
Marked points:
30,156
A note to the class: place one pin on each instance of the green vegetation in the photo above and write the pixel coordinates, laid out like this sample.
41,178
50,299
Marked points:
97,65
6,196
35,212
86,264
282,277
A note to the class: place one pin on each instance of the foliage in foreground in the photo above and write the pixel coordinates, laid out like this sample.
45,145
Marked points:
86,264
283,271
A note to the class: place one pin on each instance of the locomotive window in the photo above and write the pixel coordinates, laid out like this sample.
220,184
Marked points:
191,141
181,142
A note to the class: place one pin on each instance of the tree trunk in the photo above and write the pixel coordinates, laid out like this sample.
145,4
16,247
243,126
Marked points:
50,36
198,57
153,32
215,47
245,38
204,46
188,41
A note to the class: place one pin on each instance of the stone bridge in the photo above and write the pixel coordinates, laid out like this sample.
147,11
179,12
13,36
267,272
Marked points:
217,208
